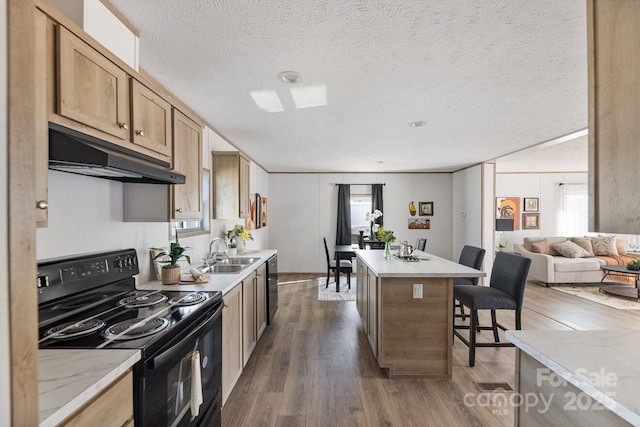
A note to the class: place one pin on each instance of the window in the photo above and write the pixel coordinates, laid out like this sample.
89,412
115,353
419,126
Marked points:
360,205
200,226
574,216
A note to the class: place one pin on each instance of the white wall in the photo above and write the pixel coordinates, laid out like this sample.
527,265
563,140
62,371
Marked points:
303,210
541,185
467,209
5,390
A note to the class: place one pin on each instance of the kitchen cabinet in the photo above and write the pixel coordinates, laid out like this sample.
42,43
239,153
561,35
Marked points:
42,83
360,302
231,341
187,159
97,97
372,311
261,300
249,336
613,37
112,408
231,174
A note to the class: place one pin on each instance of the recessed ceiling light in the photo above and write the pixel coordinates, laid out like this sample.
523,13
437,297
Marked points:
380,161
418,124
290,77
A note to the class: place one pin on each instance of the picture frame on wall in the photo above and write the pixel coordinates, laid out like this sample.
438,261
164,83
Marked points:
530,221
509,208
425,208
531,204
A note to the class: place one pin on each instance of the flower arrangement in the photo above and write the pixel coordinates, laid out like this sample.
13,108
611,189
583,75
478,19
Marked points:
371,217
385,235
238,231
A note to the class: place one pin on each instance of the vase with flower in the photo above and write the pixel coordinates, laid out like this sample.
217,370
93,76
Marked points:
235,235
371,218
387,237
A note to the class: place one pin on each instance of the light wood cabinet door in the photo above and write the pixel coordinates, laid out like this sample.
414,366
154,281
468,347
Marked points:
244,202
43,75
360,283
261,300
91,89
372,312
248,317
112,408
187,158
151,120
231,174
231,341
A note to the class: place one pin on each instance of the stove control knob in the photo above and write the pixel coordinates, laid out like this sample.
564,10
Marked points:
43,281
119,263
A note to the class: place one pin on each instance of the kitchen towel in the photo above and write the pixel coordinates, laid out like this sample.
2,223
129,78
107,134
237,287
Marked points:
196,384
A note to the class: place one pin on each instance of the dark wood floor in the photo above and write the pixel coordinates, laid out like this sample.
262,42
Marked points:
313,366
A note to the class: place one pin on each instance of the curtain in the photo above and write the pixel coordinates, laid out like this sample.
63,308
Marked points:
343,230
376,201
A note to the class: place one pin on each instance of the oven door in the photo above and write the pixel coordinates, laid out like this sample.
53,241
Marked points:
166,389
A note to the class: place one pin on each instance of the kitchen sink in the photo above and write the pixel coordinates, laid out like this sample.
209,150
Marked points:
238,261
226,268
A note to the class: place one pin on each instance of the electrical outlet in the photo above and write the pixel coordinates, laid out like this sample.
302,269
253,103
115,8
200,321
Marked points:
417,290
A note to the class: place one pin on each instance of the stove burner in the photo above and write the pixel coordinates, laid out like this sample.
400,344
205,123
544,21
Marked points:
135,328
144,300
190,299
71,330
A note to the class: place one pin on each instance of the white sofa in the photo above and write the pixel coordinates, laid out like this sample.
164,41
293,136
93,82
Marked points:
558,269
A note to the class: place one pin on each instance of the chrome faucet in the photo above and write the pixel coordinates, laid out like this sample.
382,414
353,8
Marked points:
222,255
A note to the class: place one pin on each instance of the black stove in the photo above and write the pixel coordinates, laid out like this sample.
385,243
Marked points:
91,302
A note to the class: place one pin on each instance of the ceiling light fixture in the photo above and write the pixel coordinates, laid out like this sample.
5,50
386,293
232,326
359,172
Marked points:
290,77
418,124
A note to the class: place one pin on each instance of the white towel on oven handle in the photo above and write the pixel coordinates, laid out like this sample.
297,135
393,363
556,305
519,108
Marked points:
196,384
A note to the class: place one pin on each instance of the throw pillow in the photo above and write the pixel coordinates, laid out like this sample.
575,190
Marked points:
540,247
621,246
569,249
584,243
604,246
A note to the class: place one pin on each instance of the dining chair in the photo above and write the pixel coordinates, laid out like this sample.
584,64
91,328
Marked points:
505,292
470,256
421,244
346,266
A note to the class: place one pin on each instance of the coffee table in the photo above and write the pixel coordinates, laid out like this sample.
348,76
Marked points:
617,288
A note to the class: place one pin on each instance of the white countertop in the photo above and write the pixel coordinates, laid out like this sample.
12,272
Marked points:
429,265
67,379
602,364
217,281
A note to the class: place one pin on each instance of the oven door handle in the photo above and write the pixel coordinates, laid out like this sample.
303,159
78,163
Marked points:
176,349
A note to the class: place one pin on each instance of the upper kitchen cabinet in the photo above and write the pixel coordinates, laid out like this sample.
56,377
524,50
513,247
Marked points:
187,198
230,185
91,89
614,107
98,97
151,119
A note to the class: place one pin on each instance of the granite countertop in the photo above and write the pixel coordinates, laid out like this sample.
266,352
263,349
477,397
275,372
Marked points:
67,379
217,281
602,364
429,265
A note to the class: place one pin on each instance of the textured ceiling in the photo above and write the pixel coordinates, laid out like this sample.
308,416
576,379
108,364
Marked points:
488,77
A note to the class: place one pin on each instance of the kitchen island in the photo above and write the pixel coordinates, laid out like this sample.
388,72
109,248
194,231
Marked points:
407,311
581,378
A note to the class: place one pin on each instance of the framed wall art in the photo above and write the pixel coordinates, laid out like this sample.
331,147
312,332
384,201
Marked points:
531,204
530,221
426,208
418,224
509,208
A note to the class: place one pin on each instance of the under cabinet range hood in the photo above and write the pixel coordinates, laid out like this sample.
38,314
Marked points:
75,152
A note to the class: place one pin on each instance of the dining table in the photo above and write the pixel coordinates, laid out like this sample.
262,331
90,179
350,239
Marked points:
342,252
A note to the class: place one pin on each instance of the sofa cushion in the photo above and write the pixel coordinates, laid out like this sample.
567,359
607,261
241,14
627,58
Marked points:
570,249
621,246
541,247
575,264
527,241
604,246
584,243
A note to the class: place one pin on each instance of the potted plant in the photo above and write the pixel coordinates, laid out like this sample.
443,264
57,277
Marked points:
233,234
171,271
634,265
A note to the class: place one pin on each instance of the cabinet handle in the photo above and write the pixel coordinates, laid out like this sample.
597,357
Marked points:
42,204
224,304
140,133
179,210
123,125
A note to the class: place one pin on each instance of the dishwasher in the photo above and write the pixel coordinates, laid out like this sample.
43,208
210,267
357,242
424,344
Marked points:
272,288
